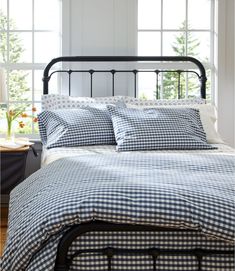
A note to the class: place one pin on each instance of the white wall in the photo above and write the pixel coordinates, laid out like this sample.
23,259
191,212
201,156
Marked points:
100,27
225,92
108,27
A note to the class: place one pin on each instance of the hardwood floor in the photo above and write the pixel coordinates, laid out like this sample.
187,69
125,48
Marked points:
4,214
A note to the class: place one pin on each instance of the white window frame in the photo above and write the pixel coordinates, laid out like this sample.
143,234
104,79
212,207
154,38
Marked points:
208,66
31,66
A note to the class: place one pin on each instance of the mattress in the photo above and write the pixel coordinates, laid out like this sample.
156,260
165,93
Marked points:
51,155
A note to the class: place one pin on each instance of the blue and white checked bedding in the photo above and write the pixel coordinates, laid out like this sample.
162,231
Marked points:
187,191
158,129
76,127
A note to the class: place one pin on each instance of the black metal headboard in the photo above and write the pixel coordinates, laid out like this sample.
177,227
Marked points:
201,75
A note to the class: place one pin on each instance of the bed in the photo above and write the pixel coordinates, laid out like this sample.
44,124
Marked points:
92,207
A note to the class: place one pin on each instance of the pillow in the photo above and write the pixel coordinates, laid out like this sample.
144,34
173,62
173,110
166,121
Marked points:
208,119
163,102
57,101
158,129
76,127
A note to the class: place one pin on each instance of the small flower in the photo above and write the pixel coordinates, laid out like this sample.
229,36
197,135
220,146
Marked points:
21,124
24,115
11,113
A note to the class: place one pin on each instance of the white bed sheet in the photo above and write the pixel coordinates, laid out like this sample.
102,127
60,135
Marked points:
51,155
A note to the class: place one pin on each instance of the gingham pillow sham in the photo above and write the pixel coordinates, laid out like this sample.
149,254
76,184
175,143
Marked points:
76,127
207,116
158,129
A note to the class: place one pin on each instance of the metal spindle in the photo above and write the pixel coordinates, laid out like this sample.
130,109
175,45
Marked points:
91,82
179,88
113,73
109,252
157,93
199,260
69,73
135,82
154,253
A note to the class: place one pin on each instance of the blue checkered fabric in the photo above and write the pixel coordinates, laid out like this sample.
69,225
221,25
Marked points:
158,129
140,240
76,127
186,191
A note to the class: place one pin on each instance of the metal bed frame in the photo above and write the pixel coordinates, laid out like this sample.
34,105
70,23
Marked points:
62,260
201,75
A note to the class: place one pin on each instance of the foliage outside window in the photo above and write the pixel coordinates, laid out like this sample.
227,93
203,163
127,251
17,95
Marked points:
172,28
28,41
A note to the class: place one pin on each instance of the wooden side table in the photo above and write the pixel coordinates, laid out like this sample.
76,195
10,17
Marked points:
13,162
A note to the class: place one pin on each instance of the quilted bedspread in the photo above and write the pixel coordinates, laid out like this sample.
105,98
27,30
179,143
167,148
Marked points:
190,191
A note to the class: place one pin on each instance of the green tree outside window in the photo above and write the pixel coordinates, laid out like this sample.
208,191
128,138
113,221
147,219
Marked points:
17,83
170,79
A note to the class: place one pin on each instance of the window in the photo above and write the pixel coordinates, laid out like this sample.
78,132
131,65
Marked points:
179,27
29,38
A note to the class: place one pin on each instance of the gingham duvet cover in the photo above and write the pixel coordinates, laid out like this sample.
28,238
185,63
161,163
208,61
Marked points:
190,191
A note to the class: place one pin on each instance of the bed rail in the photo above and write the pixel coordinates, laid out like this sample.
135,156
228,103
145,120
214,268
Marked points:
63,262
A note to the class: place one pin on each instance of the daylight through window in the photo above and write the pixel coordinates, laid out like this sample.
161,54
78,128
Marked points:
176,28
29,39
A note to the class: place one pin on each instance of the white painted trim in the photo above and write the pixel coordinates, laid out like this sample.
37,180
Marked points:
234,81
66,27
225,67
132,27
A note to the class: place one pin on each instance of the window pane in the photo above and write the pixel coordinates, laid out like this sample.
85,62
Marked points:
51,15
3,122
174,43
35,124
196,10
20,47
149,14
20,83
20,50
3,14
149,43
199,45
3,47
193,85
38,85
170,85
3,26
174,14
20,13
47,46
208,85
147,85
